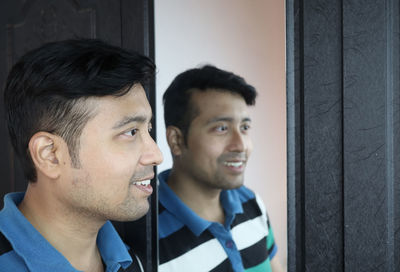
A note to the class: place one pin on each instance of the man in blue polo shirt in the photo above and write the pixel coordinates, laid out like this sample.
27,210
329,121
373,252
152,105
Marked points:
79,122
209,221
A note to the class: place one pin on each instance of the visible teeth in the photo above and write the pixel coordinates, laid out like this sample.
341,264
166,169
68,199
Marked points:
234,164
143,182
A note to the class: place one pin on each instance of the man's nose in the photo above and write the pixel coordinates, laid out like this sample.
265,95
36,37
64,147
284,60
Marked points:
152,154
237,142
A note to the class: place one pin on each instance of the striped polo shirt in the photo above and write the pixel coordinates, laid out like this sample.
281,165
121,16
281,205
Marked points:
189,243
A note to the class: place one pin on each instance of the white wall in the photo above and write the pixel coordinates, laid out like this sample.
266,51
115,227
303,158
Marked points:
246,37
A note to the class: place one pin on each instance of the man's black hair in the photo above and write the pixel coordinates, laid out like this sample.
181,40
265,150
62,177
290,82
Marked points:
47,88
178,110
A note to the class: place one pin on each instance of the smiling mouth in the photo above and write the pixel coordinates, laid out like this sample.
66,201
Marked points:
142,182
144,186
234,164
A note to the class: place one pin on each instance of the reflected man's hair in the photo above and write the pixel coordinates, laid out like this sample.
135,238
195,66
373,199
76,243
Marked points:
178,107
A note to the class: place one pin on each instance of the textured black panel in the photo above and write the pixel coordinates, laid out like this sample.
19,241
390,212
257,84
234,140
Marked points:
48,21
369,138
322,72
394,178
294,136
315,137
343,135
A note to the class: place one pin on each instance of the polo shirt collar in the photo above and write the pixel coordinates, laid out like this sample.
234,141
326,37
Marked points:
229,199
112,249
39,254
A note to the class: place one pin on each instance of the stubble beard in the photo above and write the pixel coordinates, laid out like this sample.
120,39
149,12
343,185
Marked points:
228,182
89,204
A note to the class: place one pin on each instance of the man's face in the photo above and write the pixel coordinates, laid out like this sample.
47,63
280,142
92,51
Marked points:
116,153
218,142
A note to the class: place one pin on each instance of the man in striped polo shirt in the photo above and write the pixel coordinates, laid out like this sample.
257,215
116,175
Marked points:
209,221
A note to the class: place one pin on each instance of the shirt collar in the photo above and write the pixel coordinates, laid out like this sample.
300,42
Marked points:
112,248
229,200
39,254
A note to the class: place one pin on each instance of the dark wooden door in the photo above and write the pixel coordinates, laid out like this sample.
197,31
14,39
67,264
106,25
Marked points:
27,24
343,102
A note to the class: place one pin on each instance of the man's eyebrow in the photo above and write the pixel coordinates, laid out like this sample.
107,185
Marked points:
131,119
226,119
220,119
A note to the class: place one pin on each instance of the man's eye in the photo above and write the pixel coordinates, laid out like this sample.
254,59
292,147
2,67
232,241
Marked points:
131,132
221,128
245,127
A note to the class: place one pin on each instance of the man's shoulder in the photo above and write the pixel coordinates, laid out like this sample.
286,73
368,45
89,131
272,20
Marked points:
250,200
5,245
244,193
163,175
9,260
12,262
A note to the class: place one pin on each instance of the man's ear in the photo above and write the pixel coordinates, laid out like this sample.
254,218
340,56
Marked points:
175,140
43,147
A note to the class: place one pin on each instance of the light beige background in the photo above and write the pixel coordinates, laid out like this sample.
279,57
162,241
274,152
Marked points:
246,37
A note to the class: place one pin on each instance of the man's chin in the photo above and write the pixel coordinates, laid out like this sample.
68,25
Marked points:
132,215
233,184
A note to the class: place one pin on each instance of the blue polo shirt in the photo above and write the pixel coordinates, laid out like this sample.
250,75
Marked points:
188,242
31,251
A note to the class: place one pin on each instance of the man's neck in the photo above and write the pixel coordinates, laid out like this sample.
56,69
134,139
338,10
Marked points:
203,200
65,231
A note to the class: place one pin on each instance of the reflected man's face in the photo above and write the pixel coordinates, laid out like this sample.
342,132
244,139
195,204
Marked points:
218,141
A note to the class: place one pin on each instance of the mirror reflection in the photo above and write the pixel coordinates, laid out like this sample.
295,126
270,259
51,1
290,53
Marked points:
248,40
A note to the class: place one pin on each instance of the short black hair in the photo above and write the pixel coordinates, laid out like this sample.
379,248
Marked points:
47,88
177,109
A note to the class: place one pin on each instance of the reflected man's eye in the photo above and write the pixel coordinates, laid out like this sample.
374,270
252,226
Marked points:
221,128
245,127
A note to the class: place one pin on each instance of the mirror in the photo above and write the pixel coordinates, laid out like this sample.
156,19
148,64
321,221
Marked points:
247,38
